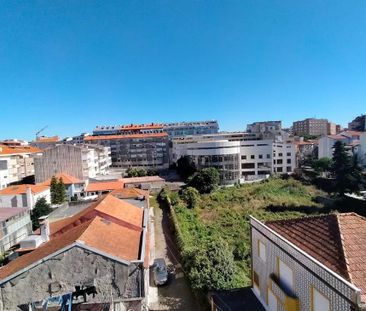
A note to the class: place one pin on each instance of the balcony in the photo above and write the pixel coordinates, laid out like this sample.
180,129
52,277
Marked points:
289,301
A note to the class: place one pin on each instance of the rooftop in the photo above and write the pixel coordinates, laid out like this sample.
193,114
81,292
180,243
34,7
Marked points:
113,137
109,216
9,150
104,186
338,241
46,139
66,178
22,189
9,212
143,179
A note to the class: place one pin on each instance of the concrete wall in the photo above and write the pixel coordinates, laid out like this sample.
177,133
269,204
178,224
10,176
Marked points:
60,274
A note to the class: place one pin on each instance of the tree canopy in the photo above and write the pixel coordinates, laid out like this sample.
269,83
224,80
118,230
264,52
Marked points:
186,167
206,180
41,208
58,191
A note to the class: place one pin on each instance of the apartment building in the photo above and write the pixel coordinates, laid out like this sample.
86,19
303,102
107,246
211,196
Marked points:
177,129
268,129
237,156
358,124
145,145
16,163
311,263
310,126
44,142
81,161
76,140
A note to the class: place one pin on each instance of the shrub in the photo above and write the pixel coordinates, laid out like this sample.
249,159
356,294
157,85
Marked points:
190,196
206,180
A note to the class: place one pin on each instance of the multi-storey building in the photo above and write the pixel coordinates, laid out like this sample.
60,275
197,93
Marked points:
178,129
144,145
358,124
268,129
76,140
81,161
312,263
310,126
237,156
44,142
16,163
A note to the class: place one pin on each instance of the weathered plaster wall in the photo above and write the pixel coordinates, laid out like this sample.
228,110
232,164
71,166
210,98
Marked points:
60,274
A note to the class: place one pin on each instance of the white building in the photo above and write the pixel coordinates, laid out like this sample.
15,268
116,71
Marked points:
237,158
80,161
16,163
23,195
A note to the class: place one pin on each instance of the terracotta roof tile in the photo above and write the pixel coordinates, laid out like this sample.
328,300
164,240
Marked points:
104,186
7,150
130,193
66,178
22,189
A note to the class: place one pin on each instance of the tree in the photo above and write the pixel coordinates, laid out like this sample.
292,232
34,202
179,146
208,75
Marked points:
58,191
152,172
41,208
346,171
190,196
322,165
54,197
136,172
186,167
206,180
210,265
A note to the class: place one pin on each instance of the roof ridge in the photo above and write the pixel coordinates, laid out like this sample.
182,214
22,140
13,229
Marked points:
341,238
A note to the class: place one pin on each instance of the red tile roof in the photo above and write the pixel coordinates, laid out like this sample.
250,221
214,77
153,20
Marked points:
109,217
336,240
22,189
113,137
7,150
104,186
66,178
144,179
130,193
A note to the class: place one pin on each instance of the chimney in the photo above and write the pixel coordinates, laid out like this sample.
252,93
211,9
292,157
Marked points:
29,196
45,228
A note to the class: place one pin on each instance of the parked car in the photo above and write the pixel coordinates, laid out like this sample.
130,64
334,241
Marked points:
160,272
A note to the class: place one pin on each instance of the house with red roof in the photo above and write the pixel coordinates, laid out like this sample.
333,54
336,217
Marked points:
104,247
312,263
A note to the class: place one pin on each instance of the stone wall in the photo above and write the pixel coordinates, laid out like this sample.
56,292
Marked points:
60,274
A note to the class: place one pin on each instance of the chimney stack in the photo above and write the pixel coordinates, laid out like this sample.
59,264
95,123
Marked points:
45,228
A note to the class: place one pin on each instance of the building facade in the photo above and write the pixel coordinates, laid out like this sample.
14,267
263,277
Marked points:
15,225
268,129
144,145
178,129
309,263
16,163
310,126
81,161
237,156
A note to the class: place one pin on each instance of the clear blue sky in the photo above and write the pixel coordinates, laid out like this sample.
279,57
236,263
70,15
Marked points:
75,64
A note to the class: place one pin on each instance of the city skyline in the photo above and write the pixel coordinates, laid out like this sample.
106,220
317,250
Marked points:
72,66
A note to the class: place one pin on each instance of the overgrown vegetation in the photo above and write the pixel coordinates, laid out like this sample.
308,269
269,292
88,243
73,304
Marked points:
205,180
140,172
214,235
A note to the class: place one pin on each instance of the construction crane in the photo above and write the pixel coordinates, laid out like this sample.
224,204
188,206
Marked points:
40,131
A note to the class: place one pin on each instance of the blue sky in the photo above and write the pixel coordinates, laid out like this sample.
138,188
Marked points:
74,64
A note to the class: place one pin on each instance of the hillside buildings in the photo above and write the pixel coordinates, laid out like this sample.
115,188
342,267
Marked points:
310,126
16,163
358,124
312,263
81,161
132,145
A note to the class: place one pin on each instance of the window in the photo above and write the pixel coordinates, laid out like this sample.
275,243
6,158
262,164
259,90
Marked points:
288,169
272,301
279,170
280,154
279,161
261,250
288,161
285,275
247,165
268,156
260,156
289,154
318,301
244,157
252,156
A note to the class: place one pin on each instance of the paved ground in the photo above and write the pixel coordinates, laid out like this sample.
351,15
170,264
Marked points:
176,295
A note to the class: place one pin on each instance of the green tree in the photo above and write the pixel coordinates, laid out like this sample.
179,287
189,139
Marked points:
136,172
186,167
190,196
41,208
61,191
210,265
206,180
152,172
54,196
347,173
322,165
